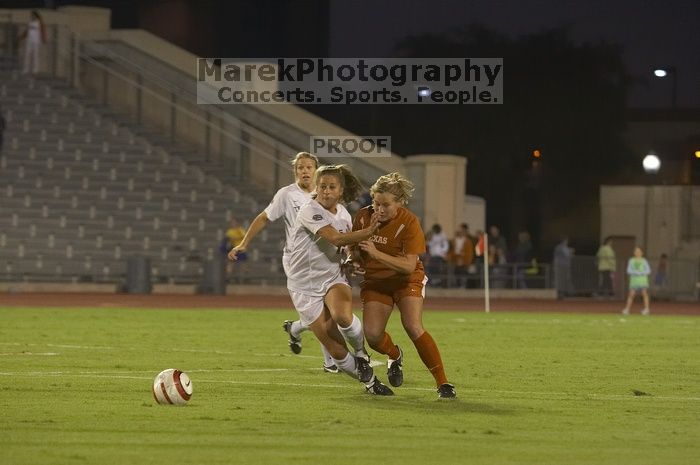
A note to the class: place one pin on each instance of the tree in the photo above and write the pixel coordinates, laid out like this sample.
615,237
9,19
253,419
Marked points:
565,99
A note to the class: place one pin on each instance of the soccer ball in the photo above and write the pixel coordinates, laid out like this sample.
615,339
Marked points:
172,387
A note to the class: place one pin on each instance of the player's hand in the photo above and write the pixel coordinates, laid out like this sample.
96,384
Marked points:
368,247
233,253
352,268
374,222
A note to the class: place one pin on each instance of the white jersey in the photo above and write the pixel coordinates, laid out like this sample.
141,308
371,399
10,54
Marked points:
313,262
34,32
286,203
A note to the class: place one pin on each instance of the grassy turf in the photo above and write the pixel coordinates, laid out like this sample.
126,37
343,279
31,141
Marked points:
533,389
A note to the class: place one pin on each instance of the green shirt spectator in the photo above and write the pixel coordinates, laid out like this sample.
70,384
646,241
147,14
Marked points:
606,258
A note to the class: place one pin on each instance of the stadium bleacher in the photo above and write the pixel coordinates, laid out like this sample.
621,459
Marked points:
82,190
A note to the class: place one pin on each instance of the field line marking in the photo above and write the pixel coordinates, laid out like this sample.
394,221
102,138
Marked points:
10,354
550,395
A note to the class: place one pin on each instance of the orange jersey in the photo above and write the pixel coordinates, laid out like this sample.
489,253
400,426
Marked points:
399,237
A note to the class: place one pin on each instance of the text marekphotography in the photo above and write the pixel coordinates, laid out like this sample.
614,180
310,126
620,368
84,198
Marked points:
350,80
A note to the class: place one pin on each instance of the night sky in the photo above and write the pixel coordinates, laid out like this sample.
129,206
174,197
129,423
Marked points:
651,33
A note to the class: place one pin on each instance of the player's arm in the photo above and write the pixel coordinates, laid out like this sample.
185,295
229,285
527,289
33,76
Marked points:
401,264
339,239
255,227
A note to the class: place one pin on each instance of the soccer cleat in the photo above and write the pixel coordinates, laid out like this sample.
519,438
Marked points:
395,370
330,368
294,342
365,373
625,311
446,391
645,311
378,389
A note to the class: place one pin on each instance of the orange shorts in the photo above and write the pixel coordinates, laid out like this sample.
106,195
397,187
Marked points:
390,291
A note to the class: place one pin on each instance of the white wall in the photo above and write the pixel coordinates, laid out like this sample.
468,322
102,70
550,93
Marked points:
657,211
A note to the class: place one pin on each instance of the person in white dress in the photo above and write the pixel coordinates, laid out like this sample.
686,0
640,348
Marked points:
35,36
285,204
316,277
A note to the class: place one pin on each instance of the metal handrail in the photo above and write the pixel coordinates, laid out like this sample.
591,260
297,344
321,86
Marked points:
182,109
219,112
224,115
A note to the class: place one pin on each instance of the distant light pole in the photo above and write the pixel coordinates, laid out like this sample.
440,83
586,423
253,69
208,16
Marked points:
666,71
651,164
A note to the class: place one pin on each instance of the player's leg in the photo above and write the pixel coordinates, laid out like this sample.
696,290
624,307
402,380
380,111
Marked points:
411,308
329,365
293,329
316,316
628,304
377,305
645,297
326,330
375,315
339,302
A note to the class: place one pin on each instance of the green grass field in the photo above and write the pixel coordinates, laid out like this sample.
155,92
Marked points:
75,388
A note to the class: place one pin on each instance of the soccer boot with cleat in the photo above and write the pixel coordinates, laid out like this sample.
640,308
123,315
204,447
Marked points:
446,391
330,368
365,372
395,370
294,342
375,387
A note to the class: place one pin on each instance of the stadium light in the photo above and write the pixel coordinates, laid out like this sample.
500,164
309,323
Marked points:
651,164
666,71
697,154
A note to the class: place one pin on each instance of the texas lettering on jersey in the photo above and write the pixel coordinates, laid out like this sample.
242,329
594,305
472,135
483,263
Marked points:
378,239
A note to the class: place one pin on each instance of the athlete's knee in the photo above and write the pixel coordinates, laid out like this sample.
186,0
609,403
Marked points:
414,329
374,344
344,319
373,337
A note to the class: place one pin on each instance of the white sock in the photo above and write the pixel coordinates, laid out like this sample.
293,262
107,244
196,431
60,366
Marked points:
327,359
347,365
354,335
297,328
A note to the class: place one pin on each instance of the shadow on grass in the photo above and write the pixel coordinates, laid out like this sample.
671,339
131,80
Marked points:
426,406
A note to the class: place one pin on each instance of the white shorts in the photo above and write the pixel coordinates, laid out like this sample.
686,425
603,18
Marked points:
310,307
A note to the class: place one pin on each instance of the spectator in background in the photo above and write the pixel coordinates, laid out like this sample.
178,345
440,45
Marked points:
523,256
462,254
661,276
498,241
607,265
638,270
438,247
34,35
233,236
562,268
